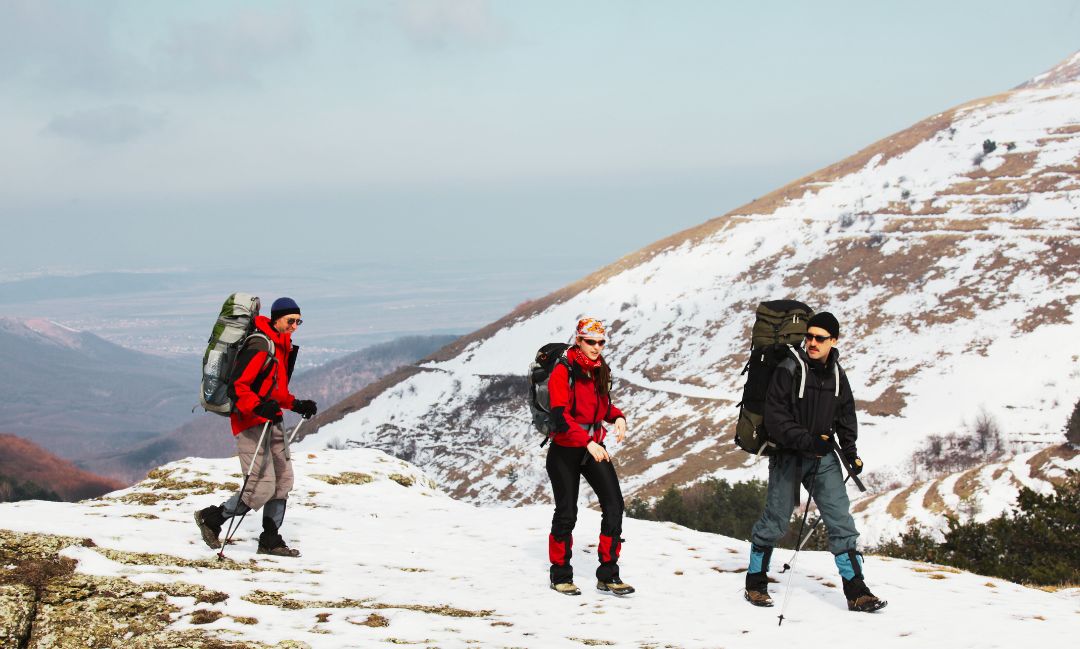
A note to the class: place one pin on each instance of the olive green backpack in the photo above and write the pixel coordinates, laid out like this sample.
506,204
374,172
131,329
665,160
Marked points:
779,327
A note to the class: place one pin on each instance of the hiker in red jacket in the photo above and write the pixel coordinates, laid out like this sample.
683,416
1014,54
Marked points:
580,403
259,390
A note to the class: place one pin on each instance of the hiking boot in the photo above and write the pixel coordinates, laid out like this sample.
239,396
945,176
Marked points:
757,587
758,597
278,551
616,587
566,588
859,597
270,542
210,521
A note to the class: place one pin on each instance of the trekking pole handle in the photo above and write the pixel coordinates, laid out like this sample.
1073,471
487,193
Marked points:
843,460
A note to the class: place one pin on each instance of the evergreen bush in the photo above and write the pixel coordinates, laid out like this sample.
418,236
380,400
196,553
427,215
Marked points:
1072,427
711,506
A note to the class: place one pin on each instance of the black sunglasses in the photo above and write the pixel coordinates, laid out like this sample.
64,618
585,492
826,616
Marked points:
294,321
819,339
593,343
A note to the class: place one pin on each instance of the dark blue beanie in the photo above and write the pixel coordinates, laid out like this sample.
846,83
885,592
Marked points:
282,307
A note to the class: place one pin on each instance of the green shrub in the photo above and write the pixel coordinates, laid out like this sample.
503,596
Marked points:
710,506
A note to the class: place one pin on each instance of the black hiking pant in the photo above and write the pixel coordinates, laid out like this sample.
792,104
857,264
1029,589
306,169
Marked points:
566,465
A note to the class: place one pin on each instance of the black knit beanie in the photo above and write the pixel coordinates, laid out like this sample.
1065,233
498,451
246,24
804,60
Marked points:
826,321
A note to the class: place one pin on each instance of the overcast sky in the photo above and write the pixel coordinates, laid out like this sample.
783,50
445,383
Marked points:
150,134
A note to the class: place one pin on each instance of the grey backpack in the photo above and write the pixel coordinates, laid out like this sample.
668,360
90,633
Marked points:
234,328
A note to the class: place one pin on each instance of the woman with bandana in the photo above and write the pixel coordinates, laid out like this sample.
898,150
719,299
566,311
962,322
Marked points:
580,387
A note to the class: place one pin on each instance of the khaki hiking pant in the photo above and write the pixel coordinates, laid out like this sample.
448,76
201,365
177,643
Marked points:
272,477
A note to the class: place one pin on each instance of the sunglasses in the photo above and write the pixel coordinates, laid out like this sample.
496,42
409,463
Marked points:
593,343
819,339
294,321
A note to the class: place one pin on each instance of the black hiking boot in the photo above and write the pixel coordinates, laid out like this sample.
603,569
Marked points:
859,597
210,521
270,542
757,589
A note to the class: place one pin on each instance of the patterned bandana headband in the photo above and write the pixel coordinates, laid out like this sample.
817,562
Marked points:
591,328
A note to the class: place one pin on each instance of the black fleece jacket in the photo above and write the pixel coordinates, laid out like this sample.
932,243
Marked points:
790,421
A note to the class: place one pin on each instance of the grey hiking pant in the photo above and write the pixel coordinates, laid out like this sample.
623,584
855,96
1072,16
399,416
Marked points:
271,478
830,496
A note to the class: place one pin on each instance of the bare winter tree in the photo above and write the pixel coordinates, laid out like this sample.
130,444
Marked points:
987,434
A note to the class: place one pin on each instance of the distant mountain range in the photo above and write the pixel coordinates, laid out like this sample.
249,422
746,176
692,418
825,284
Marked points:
208,435
949,251
28,469
78,395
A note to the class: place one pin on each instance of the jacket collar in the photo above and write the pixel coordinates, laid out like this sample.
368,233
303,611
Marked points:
262,324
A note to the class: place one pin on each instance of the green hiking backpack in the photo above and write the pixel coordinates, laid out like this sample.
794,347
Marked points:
234,328
779,327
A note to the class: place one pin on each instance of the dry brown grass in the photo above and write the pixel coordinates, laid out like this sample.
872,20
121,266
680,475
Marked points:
864,503
898,506
968,483
1056,312
932,500
374,620
1038,463
1016,165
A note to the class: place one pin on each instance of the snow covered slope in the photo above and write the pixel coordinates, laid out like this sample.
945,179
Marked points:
950,252
980,493
389,559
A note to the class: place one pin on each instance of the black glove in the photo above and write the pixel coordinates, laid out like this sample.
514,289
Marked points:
820,445
855,464
558,420
268,409
306,408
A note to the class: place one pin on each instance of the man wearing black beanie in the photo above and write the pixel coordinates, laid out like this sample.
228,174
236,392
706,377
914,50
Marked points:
808,401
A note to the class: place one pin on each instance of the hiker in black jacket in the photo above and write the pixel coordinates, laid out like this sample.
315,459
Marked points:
808,402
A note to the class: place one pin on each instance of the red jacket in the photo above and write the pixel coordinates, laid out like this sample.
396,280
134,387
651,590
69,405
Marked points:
256,384
587,408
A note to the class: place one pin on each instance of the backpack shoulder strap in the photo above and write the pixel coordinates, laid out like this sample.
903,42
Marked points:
797,367
261,342
565,362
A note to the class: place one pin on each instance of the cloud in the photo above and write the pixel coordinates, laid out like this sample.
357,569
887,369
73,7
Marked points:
105,126
233,49
63,45
439,24
73,46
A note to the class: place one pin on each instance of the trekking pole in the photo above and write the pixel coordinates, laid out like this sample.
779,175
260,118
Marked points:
240,496
292,435
802,526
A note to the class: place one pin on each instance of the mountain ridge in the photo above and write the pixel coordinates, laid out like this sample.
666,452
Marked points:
916,241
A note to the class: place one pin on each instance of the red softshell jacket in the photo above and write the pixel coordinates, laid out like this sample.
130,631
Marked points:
588,408
250,391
